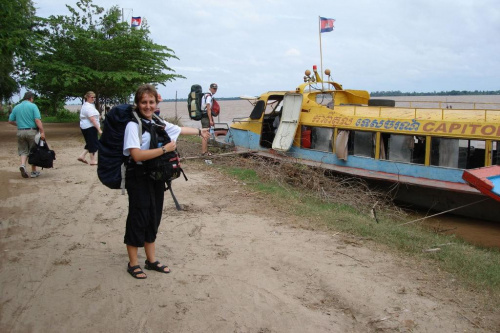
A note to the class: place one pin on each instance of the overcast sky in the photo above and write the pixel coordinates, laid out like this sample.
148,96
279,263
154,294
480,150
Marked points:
249,47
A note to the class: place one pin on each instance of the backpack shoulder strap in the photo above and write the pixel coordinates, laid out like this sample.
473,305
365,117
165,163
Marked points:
158,119
161,122
139,122
123,168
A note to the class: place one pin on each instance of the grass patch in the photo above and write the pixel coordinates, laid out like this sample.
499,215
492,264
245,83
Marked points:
245,175
63,116
192,139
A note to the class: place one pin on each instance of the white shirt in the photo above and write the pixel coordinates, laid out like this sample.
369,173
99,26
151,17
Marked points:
131,138
207,99
88,111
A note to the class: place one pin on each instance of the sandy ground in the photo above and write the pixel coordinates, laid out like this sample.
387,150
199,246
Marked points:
238,263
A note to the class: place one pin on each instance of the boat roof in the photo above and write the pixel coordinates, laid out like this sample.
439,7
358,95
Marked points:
351,102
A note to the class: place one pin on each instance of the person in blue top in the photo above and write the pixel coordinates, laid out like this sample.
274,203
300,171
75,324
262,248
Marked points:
26,117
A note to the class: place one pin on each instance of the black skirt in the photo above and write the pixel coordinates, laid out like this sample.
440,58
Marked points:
91,139
145,206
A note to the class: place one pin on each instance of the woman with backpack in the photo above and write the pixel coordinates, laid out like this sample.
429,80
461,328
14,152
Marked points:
145,193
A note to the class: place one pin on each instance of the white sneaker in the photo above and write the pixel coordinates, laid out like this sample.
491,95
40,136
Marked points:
35,174
24,173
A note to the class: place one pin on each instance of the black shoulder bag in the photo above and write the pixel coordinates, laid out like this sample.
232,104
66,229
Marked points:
41,155
166,167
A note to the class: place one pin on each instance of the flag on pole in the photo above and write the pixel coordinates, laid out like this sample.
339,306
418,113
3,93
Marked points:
136,22
326,24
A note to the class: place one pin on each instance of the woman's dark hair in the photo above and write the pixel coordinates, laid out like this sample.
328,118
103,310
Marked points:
145,89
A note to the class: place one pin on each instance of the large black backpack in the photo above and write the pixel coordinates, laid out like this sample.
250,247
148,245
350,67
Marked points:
112,163
194,102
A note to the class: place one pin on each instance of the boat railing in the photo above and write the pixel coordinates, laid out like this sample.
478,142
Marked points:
450,104
480,115
221,126
245,120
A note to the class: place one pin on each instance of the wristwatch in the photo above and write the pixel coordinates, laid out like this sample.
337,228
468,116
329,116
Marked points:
164,150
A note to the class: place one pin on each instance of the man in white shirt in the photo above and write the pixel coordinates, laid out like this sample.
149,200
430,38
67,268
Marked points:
207,120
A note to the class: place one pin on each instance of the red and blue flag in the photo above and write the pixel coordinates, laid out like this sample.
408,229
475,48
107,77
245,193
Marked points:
136,22
326,24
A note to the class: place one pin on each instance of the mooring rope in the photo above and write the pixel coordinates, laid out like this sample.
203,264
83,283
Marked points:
446,211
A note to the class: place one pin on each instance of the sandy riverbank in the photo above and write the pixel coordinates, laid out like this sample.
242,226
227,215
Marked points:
238,264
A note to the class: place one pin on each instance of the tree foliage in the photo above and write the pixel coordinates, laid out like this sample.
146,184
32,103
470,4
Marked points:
90,49
16,34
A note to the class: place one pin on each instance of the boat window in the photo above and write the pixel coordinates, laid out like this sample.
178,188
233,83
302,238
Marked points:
325,99
472,154
274,104
271,120
444,152
258,109
402,148
496,153
361,143
458,153
321,138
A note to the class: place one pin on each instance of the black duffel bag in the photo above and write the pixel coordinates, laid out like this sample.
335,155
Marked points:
41,155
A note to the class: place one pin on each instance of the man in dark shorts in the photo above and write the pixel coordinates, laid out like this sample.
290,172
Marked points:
207,120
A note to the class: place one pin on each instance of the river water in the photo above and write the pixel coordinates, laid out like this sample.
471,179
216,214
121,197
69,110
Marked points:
475,231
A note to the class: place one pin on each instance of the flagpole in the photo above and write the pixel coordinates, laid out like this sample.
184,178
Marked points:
320,52
123,13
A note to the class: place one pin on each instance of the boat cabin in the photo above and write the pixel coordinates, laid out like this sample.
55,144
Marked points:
349,123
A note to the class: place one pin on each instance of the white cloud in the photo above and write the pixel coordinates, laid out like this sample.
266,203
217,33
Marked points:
292,53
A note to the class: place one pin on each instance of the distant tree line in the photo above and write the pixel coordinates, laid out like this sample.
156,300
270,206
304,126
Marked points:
387,93
185,99
435,93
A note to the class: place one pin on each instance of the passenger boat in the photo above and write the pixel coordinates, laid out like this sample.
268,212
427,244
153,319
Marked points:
424,150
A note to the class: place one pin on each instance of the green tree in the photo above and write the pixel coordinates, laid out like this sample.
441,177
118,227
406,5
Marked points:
16,37
92,50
